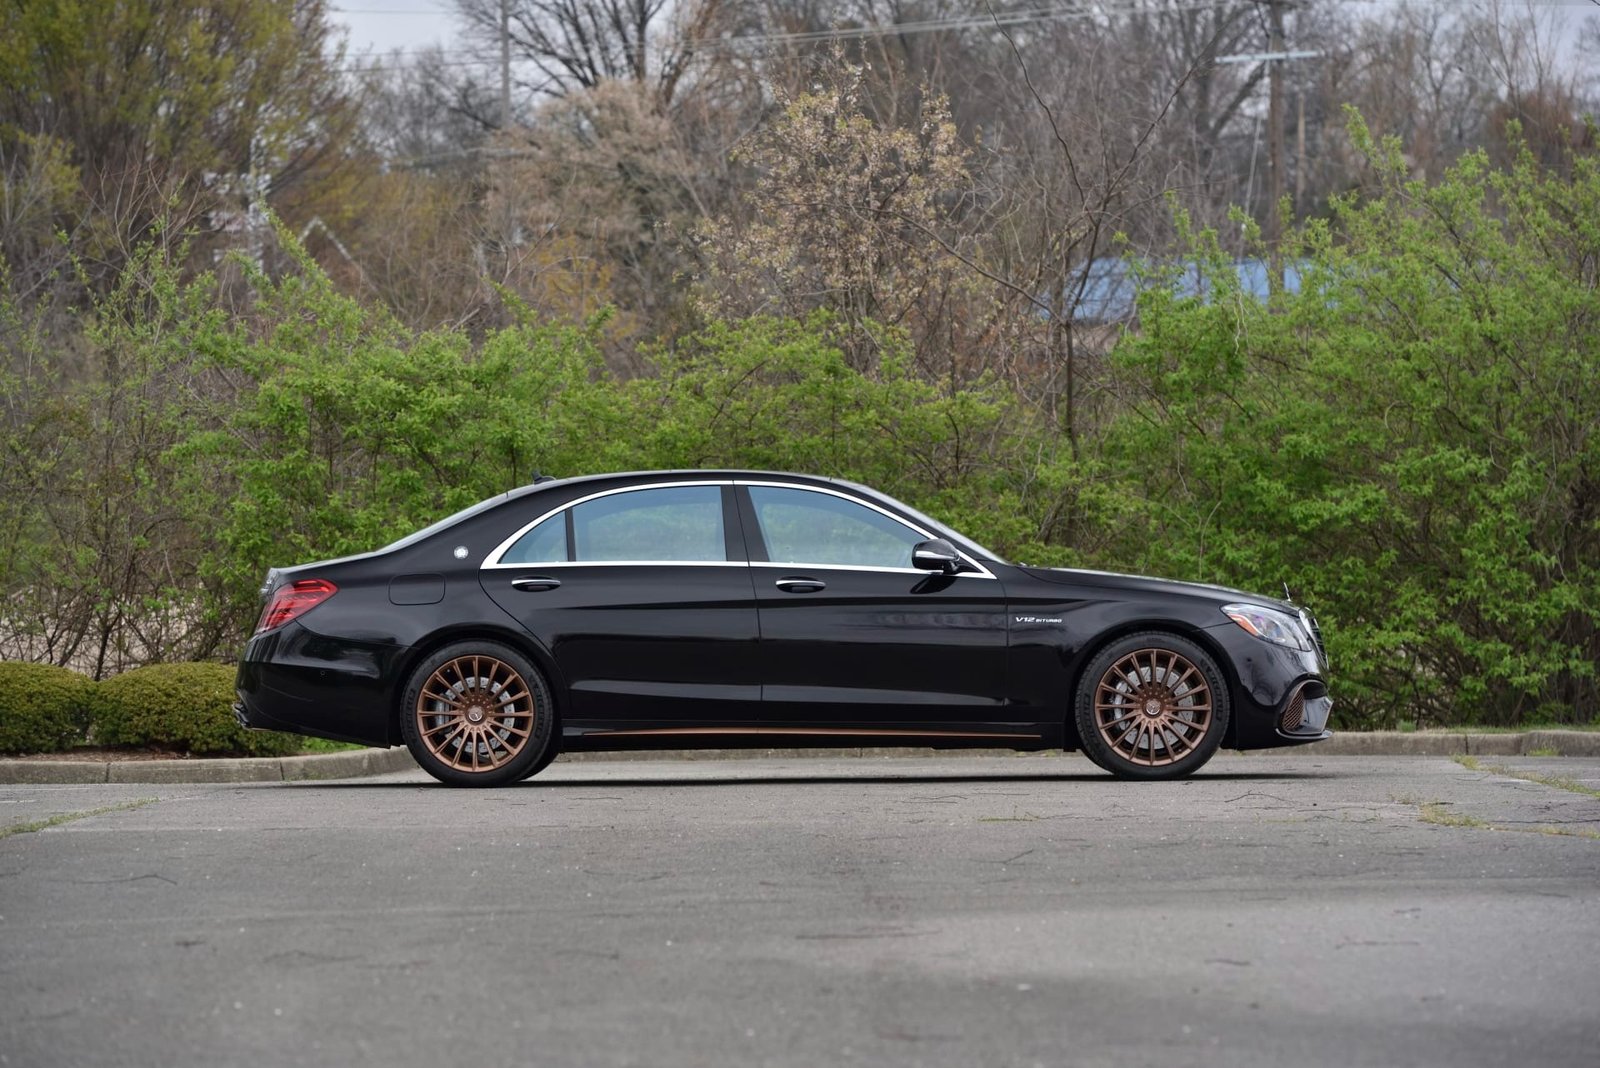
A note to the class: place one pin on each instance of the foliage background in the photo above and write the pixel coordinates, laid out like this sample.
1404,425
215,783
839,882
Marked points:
261,304
1406,437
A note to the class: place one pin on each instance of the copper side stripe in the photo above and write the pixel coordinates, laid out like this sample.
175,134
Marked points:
822,731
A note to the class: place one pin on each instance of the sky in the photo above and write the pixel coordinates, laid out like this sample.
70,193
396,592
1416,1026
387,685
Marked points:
378,27
381,26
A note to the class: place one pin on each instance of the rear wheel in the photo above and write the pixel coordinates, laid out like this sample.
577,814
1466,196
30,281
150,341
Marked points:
477,713
1151,706
551,751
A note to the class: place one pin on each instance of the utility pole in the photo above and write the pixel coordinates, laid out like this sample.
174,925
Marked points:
1275,126
1275,59
1299,153
505,65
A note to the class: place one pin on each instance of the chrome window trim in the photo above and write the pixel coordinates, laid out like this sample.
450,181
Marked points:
537,566
982,571
492,561
863,567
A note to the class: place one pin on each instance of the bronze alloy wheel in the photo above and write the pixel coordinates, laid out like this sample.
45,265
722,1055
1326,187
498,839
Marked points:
478,713
1151,706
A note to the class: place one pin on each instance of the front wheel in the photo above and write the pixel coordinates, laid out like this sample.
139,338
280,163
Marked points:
1151,706
477,713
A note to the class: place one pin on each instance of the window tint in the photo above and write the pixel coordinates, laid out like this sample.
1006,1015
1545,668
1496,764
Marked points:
677,523
545,543
802,527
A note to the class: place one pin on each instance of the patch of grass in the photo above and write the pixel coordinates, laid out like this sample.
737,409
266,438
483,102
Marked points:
1587,728
325,745
1543,750
1025,817
1560,782
69,817
1408,727
1434,812
1567,832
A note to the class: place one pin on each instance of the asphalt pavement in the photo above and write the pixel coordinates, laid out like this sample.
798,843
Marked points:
1278,911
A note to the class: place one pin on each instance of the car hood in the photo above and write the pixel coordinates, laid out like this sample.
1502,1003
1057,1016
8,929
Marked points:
1074,576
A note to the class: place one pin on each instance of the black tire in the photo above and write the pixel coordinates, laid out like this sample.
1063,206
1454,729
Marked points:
477,713
1151,706
551,751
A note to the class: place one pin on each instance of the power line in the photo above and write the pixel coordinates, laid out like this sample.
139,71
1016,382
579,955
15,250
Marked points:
998,20
963,22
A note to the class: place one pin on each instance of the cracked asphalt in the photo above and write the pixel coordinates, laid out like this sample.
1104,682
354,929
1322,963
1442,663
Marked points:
965,912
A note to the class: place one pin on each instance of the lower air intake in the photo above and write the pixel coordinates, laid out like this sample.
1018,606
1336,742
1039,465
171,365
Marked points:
1294,715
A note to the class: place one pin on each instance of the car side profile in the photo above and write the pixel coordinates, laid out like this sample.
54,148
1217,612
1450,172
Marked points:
725,609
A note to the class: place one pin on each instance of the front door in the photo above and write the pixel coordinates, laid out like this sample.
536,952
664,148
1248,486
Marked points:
853,636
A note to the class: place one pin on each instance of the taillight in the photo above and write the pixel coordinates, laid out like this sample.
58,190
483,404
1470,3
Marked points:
293,600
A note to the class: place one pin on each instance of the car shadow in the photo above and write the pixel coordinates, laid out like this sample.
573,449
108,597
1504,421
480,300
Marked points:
790,779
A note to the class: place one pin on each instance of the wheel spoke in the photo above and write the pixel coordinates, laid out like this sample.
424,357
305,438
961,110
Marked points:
460,728
1183,678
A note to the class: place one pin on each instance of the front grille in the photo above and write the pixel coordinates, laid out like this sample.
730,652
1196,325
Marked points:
1295,714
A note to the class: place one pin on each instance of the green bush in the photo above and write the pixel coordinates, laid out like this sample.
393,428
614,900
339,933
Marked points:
179,706
43,708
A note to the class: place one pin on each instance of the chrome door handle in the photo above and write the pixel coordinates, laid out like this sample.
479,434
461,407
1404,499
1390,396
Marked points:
534,583
800,585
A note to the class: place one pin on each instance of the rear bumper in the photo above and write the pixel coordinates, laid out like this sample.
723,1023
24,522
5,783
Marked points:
292,679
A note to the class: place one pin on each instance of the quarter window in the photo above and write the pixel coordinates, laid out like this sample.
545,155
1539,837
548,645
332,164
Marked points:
803,527
544,544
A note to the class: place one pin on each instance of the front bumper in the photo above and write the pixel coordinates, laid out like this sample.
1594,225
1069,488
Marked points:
1281,697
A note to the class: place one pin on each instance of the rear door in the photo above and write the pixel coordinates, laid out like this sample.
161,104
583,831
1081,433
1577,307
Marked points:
643,598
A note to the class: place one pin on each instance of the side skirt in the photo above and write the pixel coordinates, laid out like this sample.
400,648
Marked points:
593,739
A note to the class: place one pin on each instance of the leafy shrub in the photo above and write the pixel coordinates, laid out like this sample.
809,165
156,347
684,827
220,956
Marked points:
43,708
1406,438
179,706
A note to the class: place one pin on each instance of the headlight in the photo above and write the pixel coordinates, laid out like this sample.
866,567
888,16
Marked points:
1269,624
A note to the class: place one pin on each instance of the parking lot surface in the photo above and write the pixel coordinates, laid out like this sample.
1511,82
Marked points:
974,912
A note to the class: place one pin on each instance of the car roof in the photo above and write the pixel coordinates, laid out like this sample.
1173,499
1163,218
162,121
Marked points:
697,473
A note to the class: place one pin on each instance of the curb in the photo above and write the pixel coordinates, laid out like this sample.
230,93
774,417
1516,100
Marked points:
364,762
356,763
1448,743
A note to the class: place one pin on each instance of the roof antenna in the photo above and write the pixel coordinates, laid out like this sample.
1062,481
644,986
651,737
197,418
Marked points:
1287,596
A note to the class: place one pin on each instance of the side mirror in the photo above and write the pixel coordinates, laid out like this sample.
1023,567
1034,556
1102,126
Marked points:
936,555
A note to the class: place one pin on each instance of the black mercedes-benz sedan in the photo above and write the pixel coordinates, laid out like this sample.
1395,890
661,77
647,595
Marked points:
721,609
